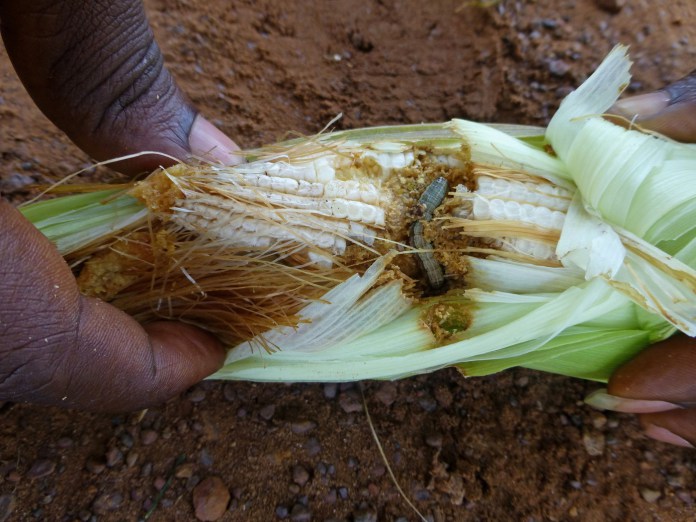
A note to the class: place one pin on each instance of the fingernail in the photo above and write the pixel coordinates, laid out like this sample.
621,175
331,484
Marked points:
664,435
642,106
209,143
602,400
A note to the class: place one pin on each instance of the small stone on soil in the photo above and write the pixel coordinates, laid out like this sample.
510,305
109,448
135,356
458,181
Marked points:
229,392
300,513
300,475
94,466
147,437
330,390
282,512
41,468
114,457
365,516
107,502
386,393
267,412
184,471
611,6
650,495
131,459
210,499
312,447
350,402
7,505
302,427
594,443
196,395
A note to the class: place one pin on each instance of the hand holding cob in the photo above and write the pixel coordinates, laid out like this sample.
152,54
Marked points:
367,220
95,70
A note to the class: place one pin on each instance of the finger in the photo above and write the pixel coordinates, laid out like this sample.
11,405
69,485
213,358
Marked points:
117,365
663,372
57,347
675,427
670,111
96,71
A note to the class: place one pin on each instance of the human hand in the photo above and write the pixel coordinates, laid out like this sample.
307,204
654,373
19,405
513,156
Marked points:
95,70
660,383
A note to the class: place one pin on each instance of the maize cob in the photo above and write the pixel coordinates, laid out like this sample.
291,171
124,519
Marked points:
313,246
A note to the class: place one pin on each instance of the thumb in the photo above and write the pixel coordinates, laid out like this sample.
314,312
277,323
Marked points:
117,365
61,348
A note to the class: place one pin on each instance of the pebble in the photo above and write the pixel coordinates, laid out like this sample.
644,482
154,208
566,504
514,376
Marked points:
229,392
131,459
300,513
185,471
126,440
312,447
7,505
196,395
65,443
350,402
147,437
522,381
650,495
386,393
159,483
364,515
210,499
146,470
41,468
330,390
206,459
428,403
343,492
434,440
611,6
94,466
282,512
15,181
684,496
421,495
107,502
558,67
594,443
114,457
599,420
302,427
267,412
300,475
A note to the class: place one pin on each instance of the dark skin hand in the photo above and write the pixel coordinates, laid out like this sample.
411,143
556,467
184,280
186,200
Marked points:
660,383
94,69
